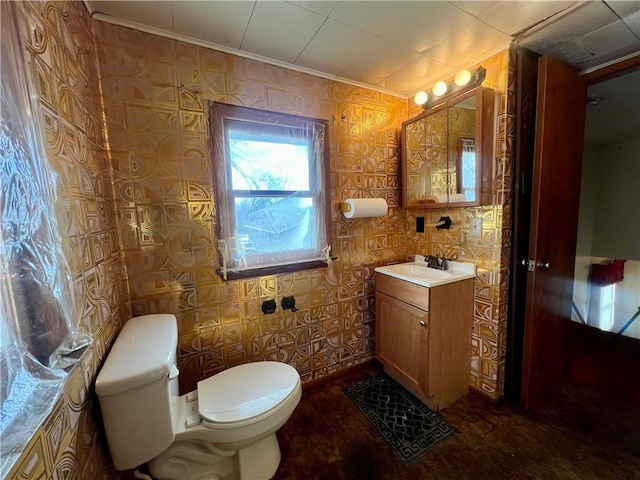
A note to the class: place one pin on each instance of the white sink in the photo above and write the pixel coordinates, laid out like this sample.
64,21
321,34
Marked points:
417,272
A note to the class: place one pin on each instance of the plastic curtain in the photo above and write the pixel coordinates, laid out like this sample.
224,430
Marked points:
36,300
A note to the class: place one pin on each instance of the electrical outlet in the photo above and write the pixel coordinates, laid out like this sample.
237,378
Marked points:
475,227
419,224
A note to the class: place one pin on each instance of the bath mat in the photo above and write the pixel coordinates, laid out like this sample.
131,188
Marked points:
409,426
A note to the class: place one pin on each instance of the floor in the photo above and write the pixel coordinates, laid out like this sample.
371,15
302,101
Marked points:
578,434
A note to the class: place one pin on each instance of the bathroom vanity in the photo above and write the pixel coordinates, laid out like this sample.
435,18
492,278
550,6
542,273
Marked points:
423,333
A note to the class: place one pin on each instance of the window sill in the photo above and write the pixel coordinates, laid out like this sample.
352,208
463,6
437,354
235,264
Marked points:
274,270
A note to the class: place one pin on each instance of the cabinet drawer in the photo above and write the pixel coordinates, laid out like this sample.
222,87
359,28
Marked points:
408,292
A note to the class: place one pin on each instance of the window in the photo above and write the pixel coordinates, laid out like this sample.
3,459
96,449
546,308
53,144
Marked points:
271,197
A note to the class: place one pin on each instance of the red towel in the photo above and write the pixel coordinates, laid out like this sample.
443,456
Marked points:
607,273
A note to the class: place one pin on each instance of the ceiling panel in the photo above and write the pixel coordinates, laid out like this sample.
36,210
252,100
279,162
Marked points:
530,13
428,24
334,47
476,8
280,30
605,44
159,16
388,59
582,20
323,7
415,76
590,36
374,20
222,23
473,42
623,8
632,21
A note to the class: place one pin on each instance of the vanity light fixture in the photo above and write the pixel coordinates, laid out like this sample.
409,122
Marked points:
439,89
421,97
464,80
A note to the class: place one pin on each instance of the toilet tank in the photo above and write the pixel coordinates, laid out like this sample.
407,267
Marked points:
138,390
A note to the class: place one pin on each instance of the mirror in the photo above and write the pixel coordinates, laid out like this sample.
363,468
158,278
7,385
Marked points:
443,151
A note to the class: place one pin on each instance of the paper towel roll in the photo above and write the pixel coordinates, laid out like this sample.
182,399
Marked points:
365,207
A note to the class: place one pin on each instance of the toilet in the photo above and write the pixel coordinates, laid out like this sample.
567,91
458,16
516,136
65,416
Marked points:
223,430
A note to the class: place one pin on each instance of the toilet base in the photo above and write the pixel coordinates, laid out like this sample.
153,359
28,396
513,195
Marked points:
260,460
190,460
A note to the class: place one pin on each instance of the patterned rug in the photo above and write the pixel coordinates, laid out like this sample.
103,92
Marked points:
409,426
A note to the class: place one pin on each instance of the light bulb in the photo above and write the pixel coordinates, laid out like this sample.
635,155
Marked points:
463,77
421,97
440,88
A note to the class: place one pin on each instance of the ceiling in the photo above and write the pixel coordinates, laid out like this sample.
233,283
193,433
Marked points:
615,113
398,47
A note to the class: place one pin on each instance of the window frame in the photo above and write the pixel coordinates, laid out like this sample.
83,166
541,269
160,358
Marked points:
225,195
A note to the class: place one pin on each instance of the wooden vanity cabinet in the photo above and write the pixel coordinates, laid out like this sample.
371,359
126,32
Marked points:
423,337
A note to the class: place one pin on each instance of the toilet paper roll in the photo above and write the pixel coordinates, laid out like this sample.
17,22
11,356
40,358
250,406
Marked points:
365,207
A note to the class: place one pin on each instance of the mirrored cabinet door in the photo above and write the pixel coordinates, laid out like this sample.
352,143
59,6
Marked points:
414,161
463,169
443,151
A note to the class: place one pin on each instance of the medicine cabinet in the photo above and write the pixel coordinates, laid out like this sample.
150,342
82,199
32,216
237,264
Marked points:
444,150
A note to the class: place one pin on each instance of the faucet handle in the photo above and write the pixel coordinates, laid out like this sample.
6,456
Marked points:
440,263
431,261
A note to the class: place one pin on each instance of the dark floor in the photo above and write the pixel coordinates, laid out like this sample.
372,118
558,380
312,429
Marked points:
578,434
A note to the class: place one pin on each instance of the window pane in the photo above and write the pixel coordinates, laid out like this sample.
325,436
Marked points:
268,162
275,224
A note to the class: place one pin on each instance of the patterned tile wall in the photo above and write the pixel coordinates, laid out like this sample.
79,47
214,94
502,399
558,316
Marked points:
158,141
63,73
159,144
490,252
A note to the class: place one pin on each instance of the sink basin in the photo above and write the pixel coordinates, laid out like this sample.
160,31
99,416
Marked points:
417,272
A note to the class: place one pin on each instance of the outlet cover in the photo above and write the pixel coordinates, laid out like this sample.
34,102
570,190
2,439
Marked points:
475,227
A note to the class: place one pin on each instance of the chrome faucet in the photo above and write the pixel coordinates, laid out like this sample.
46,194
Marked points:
438,262
442,263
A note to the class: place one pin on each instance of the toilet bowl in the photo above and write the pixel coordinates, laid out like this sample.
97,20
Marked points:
224,430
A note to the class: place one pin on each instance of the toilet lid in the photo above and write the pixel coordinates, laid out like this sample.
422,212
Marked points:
245,391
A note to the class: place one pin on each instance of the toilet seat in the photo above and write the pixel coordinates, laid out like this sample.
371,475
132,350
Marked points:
244,392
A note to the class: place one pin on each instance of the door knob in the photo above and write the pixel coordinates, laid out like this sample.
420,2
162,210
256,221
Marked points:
423,323
532,265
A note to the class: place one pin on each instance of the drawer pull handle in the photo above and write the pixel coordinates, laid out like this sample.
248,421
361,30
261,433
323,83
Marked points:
423,323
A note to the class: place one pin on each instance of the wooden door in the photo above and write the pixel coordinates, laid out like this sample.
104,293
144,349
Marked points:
561,104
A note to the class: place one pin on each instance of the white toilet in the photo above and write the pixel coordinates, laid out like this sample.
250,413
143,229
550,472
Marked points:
224,430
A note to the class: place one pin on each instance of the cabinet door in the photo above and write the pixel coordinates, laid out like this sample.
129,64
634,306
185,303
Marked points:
402,335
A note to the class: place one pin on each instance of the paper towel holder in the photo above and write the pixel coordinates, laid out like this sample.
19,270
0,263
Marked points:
345,207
